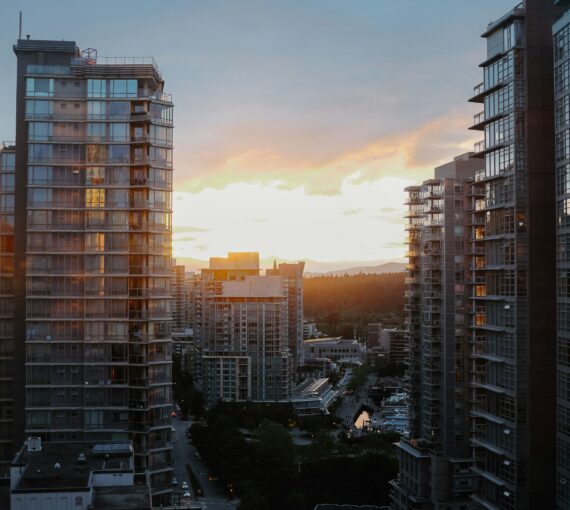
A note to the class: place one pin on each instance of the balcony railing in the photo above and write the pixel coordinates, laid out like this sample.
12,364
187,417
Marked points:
478,118
479,89
479,146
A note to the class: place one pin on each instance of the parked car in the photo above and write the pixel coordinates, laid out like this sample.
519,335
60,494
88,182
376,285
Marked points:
186,494
184,485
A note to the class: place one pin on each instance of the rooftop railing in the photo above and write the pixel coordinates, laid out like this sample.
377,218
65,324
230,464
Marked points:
116,61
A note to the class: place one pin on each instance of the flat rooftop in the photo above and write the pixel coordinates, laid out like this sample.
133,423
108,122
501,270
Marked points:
41,472
122,498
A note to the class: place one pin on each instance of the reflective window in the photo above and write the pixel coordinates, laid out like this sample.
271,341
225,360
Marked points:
39,87
96,131
39,108
40,131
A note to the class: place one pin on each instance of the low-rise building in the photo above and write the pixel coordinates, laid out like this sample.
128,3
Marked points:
76,476
336,349
312,396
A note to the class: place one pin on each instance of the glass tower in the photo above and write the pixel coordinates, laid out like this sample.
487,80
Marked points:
561,31
512,276
93,225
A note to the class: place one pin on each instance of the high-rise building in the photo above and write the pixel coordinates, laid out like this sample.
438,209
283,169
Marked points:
92,299
292,275
561,32
512,276
180,297
8,369
246,355
435,461
241,328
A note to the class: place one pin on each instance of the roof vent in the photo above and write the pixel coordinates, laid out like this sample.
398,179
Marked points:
34,444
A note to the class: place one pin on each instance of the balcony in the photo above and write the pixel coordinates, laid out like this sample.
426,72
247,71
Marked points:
479,92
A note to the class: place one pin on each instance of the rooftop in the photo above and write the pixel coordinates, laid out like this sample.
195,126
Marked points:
336,340
57,466
117,498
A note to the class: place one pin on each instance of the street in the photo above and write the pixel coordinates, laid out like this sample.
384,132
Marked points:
184,453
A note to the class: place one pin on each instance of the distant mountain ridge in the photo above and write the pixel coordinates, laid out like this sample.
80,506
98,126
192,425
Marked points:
388,267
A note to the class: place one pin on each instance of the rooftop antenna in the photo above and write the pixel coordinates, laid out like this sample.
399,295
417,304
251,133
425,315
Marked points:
20,32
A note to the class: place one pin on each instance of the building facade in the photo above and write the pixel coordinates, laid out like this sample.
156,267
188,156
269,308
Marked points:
92,290
246,355
241,329
435,462
292,275
511,271
7,360
180,284
561,33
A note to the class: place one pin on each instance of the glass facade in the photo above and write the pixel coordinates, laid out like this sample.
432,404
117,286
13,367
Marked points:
497,274
98,284
7,169
562,109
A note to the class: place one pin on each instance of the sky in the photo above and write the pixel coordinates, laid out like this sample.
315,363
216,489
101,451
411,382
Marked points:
298,123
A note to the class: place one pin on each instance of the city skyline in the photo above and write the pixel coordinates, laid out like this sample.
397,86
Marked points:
306,152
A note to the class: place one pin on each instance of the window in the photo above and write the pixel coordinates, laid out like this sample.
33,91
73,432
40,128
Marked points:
96,132
39,108
119,132
96,88
39,87
94,198
40,131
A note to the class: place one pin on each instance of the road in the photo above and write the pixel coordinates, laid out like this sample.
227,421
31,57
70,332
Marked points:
351,404
184,453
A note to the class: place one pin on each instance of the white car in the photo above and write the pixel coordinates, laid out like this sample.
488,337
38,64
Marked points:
186,494
185,485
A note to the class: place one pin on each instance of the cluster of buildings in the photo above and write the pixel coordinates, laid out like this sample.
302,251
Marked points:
487,301
244,331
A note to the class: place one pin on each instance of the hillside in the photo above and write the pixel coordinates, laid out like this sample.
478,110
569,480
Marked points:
342,303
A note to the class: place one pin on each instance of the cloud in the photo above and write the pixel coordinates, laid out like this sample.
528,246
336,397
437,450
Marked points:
262,160
351,212
185,229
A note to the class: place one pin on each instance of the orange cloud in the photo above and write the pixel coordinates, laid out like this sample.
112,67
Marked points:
414,153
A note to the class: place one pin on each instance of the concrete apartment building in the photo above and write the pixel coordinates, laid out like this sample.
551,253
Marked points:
246,355
292,275
180,297
245,326
91,226
435,462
